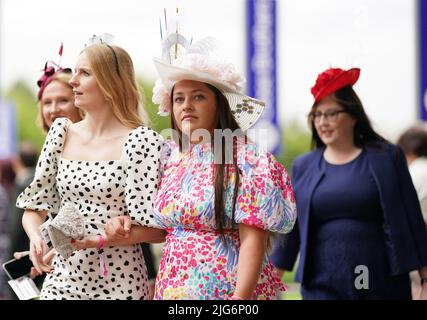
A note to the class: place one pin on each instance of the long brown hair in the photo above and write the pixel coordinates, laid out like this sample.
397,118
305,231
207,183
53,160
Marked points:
222,172
115,75
363,133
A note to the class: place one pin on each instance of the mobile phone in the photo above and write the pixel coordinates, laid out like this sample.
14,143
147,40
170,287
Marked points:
16,268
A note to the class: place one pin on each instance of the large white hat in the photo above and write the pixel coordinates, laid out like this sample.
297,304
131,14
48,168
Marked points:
198,64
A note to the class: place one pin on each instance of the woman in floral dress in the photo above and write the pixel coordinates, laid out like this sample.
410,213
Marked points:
218,199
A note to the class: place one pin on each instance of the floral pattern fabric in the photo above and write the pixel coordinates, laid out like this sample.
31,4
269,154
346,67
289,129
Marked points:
196,262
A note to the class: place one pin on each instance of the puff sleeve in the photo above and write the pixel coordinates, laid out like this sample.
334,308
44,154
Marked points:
265,197
42,193
165,154
143,149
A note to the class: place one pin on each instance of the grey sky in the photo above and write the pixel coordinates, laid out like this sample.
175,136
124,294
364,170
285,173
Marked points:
377,36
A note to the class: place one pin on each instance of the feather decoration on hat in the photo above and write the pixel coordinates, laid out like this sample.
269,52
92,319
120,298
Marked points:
166,20
176,28
61,49
206,46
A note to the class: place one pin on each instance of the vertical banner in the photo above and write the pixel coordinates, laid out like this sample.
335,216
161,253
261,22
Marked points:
8,140
261,69
422,31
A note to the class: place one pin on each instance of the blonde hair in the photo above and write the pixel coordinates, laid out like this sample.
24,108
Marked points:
114,72
63,78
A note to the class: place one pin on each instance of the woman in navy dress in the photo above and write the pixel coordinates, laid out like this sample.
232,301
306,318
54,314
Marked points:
360,230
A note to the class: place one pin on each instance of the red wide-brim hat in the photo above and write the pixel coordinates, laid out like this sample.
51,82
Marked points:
332,80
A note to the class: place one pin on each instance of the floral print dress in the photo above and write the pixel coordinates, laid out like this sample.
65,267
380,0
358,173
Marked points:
196,263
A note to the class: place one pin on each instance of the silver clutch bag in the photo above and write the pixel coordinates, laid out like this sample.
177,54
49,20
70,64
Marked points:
68,224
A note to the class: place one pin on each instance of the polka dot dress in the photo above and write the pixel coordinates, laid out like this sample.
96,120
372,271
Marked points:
101,190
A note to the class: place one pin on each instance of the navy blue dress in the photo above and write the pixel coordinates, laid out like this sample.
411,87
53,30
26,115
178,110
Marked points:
346,231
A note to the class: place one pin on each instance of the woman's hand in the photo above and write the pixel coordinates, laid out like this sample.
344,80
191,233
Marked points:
120,232
47,259
38,249
118,228
31,221
423,291
18,255
253,245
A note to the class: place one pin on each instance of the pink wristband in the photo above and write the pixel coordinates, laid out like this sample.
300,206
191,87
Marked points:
101,242
102,265
234,297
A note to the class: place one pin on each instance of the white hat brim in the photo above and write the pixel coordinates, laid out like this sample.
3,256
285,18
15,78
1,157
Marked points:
171,74
246,110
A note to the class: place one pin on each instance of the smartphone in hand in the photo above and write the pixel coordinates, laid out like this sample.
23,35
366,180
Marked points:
18,271
17,268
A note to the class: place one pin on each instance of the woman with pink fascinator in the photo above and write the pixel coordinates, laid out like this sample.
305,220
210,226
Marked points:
55,96
55,100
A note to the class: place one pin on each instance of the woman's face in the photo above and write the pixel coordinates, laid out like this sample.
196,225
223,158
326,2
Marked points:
57,101
333,125
87,92
194,106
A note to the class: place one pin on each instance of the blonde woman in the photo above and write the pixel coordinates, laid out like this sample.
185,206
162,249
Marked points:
105,165
56,98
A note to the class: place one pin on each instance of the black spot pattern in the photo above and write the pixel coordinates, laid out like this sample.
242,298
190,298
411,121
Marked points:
101,190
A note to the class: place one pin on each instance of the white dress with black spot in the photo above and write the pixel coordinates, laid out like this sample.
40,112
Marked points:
101,190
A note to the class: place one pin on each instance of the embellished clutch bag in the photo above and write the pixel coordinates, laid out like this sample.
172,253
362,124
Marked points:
68,224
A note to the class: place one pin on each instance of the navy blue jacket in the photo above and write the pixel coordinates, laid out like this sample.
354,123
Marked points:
404,228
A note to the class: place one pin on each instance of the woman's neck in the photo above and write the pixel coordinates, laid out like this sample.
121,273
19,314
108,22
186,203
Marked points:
101,123
340,154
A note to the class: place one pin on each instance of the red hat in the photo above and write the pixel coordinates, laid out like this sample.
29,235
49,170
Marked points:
332,80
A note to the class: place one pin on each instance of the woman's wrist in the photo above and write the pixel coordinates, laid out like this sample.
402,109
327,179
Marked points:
89,242
101,242
35,236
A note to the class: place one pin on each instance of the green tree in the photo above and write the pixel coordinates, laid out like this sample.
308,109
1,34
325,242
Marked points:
26,110
158,123
296,141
